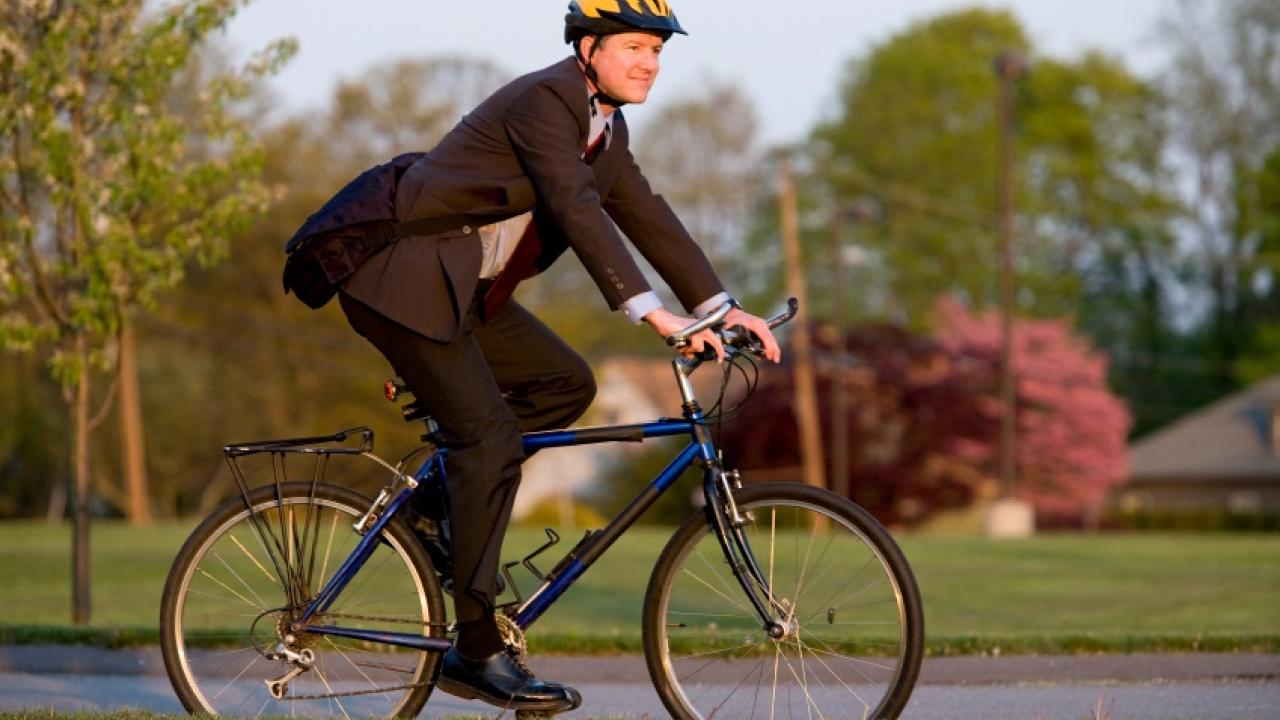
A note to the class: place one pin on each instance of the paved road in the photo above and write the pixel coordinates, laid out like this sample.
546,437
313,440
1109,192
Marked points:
1131,687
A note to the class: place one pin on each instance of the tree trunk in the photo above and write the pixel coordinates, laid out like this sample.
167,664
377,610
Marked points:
131,432
80,600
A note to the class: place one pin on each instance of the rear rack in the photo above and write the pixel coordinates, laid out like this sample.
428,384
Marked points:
357,441
306,444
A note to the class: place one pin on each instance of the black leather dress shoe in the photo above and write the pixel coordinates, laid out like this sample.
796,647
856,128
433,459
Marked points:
503,681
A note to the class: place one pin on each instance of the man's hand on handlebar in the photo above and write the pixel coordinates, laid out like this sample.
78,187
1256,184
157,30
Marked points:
666,323
758,327
670,326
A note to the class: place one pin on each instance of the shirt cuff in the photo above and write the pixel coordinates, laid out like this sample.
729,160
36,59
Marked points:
710,305
640,305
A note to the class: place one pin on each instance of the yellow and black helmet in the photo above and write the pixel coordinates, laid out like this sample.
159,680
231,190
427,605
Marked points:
609,17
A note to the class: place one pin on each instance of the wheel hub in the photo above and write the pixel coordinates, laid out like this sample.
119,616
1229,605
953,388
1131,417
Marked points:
787,628
300,639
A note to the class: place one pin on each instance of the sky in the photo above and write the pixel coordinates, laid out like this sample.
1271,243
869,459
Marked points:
787,56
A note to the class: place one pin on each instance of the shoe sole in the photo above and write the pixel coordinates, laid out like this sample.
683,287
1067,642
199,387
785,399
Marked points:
466,693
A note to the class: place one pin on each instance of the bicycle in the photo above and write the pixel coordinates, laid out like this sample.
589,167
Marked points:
773,598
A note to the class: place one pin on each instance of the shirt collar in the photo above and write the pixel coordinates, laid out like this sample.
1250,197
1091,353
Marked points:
598,122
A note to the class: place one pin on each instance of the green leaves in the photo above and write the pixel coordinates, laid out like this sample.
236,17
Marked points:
917,130
116,171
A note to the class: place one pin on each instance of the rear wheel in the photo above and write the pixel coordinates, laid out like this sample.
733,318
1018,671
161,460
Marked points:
854,627
225,608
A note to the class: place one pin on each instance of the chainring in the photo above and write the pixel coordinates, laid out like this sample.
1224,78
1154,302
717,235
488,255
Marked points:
512,635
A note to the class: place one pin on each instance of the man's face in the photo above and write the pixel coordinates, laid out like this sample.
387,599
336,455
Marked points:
627,65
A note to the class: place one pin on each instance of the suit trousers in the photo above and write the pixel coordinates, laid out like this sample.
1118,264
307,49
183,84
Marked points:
496,378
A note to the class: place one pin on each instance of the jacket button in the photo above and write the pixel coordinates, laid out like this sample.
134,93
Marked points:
466,229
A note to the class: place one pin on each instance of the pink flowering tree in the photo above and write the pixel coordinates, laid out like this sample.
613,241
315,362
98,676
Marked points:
1072,430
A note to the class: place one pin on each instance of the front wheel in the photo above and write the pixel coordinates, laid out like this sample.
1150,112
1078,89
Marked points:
854,626
243,576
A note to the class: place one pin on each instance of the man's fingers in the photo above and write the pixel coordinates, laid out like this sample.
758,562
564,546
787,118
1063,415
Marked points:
771,349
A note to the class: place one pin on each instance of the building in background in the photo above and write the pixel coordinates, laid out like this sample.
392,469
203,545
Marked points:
1222,459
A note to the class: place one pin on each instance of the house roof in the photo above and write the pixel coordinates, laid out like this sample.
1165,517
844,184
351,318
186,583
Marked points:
1231,439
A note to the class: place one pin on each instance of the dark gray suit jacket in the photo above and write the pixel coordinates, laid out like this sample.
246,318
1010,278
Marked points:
519,150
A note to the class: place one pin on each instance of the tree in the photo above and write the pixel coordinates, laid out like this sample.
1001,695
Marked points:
913,408
924,417
1224,83
105,201
916,128
1072,430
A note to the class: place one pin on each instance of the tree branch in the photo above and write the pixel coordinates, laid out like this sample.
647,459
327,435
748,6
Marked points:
48,304
107,401
114,495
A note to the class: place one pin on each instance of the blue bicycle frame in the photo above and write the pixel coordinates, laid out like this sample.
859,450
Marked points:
699,450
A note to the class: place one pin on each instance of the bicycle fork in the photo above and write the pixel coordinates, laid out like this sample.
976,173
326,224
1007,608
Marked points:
727,523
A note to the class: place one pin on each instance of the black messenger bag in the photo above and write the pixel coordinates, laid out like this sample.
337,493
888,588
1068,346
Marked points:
320,263
353,226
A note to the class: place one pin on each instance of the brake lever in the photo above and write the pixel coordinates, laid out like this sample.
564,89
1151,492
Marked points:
742,340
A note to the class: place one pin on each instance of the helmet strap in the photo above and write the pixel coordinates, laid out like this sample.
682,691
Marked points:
589,70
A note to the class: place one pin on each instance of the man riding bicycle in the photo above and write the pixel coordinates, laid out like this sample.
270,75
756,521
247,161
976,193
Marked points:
545,163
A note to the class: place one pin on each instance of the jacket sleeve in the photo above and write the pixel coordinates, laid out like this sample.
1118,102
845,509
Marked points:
658,234
543,132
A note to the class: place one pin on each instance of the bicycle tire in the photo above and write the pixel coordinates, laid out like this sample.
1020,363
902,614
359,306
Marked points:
696,615
220,569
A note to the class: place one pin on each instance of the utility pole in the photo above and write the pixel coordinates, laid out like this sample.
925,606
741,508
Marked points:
806,396
839,390
1009,517
1009,67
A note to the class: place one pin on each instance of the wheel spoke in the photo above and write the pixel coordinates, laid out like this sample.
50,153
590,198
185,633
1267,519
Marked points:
838,679
254,560
256,596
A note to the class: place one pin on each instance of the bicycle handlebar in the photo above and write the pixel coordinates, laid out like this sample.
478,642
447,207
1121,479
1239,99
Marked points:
793,307
680,339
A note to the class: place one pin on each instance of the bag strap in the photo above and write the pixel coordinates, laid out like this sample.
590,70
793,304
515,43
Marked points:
432,226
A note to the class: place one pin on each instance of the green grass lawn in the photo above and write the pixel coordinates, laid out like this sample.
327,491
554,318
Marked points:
1056,593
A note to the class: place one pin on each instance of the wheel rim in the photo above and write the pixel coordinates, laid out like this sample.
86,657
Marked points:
231,602
845,642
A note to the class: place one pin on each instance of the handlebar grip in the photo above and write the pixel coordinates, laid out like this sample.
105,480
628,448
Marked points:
793,307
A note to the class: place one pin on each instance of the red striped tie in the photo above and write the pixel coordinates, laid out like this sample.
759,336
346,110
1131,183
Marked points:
523,263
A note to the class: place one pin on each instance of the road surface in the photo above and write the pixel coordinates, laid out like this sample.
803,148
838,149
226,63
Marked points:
1129,687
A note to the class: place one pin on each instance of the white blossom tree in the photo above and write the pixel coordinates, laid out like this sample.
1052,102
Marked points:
108,193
